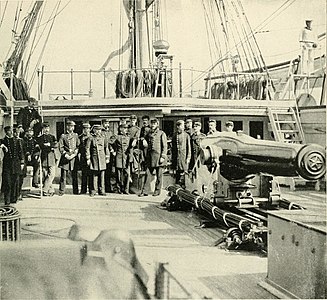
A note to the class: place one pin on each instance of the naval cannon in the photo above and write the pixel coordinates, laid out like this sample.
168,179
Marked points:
233,183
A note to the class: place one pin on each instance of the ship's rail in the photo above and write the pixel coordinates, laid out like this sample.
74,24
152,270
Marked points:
186,83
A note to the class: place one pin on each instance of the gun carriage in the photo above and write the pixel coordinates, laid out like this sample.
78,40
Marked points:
233,183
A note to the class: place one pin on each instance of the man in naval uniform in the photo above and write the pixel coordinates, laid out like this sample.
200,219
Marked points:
13,164
97,155
83,166
109,179
68,147
22,174
212,128
32,155
189,126
181,152
156,160
229,126
122,146
144,131
308,42
196,138
28,116
48,144
134,134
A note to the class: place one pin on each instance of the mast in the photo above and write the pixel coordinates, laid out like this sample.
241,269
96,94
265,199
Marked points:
16,57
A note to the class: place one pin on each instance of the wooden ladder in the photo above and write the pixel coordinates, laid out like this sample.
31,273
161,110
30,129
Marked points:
286,125
163,81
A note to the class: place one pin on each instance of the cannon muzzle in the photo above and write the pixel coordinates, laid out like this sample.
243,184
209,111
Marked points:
240,155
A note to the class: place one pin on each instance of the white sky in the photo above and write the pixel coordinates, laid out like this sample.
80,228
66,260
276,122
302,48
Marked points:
86,31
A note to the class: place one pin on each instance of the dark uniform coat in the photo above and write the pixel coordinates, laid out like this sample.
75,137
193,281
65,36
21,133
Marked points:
82,150
157,148
109,135
48,156
181,151
31,148
195,146
68,144
122,146
26,115
98,152
14,157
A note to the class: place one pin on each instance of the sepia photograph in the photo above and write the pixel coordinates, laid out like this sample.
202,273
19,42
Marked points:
163,149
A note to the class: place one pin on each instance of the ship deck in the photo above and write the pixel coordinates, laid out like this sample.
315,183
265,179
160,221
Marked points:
160,236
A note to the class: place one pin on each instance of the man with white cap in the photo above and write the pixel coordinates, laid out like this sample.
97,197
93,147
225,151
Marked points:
68,147
308,41
83,166
48,144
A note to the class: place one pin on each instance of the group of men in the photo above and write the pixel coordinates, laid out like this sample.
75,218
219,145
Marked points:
105,159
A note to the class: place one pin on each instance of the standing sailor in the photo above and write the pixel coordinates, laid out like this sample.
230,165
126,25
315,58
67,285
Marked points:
17,130
13,164
32,155
196,139
48,144
308,41
28,117
134,134
156,159
212,128
83,166
97,155
181,153
68,147
189,126
109,179
122,148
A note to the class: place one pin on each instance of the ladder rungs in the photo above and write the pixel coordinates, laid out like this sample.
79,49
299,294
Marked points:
285,122
289,131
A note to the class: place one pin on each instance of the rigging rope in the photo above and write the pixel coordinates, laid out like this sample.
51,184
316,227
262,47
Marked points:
259,27
4,12
43,48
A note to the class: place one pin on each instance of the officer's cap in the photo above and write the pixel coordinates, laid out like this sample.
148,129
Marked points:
32,100
17,126
188,120
45,125
106,120
197,123
7,128
97,127
229,123
154,120
133,117
179,122
308,19
145,117
70,123
30,129
212,121
86,125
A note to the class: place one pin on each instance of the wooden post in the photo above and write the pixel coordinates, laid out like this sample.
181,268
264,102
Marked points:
104,83
11,99
180,81
71,84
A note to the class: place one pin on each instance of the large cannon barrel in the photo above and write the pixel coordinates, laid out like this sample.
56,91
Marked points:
240,155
